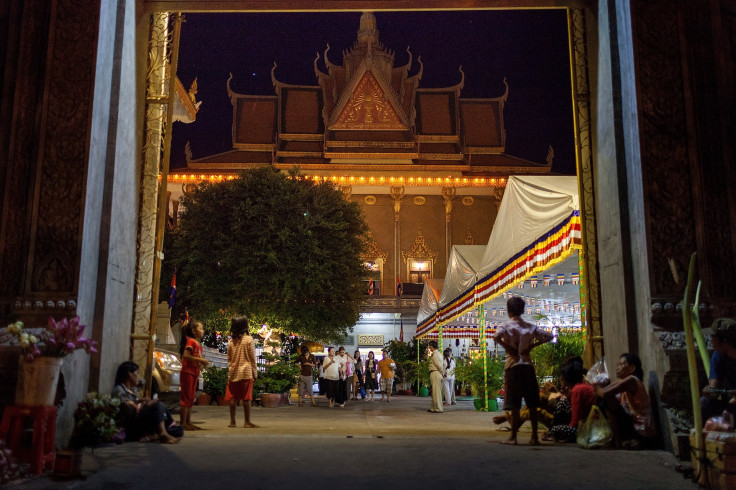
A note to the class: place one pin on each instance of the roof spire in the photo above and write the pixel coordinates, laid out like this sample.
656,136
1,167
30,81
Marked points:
367,33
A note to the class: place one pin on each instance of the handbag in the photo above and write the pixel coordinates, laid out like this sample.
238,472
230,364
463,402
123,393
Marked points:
594,432
362,391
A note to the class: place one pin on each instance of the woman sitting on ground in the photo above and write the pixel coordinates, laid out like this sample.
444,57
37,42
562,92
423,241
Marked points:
143,419
627,406
580,398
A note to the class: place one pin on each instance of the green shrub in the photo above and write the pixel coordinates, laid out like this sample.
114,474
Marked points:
548,358
469,371
215,381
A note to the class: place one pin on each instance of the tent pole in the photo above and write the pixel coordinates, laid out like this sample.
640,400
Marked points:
482,332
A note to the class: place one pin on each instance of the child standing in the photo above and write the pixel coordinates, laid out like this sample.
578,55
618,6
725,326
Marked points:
518,338
191,361
242,369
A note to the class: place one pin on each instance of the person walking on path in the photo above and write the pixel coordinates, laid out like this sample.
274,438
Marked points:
518,338
242,369
358,376
332,376
386,367
448,382
342,387
305,362
371,371
191,362
436,370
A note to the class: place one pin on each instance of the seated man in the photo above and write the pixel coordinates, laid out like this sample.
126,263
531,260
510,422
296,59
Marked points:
716,396
548,399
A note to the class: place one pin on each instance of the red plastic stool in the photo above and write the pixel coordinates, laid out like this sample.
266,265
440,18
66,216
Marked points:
41,422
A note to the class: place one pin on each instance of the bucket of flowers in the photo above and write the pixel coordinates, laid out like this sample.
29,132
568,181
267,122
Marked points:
43,350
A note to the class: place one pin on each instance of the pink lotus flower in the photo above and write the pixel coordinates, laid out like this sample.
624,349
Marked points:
57,340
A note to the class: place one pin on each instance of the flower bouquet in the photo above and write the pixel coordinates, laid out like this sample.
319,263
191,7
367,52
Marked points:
56,340
95,422
40,364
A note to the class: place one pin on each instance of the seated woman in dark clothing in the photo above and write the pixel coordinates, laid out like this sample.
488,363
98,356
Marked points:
579,399
143,419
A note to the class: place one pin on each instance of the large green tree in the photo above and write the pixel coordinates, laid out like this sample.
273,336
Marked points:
283,250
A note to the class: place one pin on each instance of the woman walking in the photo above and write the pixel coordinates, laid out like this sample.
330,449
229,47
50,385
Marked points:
357,376
371,383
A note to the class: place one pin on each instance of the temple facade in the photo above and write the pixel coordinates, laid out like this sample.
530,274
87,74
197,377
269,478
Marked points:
427,166
653,99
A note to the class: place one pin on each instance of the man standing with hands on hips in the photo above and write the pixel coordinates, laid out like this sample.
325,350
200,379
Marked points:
436,368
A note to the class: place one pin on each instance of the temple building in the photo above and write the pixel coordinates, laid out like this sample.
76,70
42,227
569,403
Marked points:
427,166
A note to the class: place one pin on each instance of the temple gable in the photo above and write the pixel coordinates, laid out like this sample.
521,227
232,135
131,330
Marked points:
369,108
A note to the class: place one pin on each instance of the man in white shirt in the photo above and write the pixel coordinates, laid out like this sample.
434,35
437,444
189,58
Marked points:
448,382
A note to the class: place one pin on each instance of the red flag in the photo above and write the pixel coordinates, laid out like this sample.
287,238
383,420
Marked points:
398,286
401,332
370,285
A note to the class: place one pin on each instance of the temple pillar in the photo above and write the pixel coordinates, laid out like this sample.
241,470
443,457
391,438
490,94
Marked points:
448,195
397,194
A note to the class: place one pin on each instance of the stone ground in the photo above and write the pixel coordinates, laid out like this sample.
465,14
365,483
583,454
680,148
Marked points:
364,445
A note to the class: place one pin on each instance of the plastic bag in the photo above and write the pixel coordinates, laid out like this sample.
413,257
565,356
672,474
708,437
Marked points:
594,432
720,423
598,374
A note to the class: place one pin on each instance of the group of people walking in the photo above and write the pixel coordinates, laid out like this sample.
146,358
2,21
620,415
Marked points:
343,376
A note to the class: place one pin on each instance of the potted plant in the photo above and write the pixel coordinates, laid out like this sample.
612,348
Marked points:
95,424
470,372
43,350
215,382
279,376
417,372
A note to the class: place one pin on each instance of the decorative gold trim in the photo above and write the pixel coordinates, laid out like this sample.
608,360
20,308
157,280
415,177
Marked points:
373,156
368,144
397,194
591,301
448,195
483,150
419,250
419,200
372,250
299,154
264,147
370,200
300,137
441,156
468,201
438,138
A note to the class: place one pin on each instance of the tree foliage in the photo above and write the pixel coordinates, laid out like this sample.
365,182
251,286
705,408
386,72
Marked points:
280,249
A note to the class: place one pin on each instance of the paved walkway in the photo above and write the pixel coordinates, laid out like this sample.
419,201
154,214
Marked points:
364,445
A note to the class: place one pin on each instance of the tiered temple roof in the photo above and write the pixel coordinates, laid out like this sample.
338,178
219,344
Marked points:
368,112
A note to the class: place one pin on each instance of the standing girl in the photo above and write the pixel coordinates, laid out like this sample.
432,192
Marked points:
191,360
371,384
242,369
332,375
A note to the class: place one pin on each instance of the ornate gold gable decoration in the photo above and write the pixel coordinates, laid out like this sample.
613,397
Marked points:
368,108
372,251
419,250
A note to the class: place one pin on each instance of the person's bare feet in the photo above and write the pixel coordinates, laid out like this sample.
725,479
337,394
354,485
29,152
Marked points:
232,424
534,442
167,439
250,425
190,427
510,441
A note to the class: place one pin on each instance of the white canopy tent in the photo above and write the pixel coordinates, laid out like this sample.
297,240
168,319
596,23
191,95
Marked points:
532,253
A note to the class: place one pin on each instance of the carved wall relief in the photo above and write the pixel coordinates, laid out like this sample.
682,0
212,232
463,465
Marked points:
663,141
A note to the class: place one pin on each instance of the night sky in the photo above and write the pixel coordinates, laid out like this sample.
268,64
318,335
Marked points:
527,47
